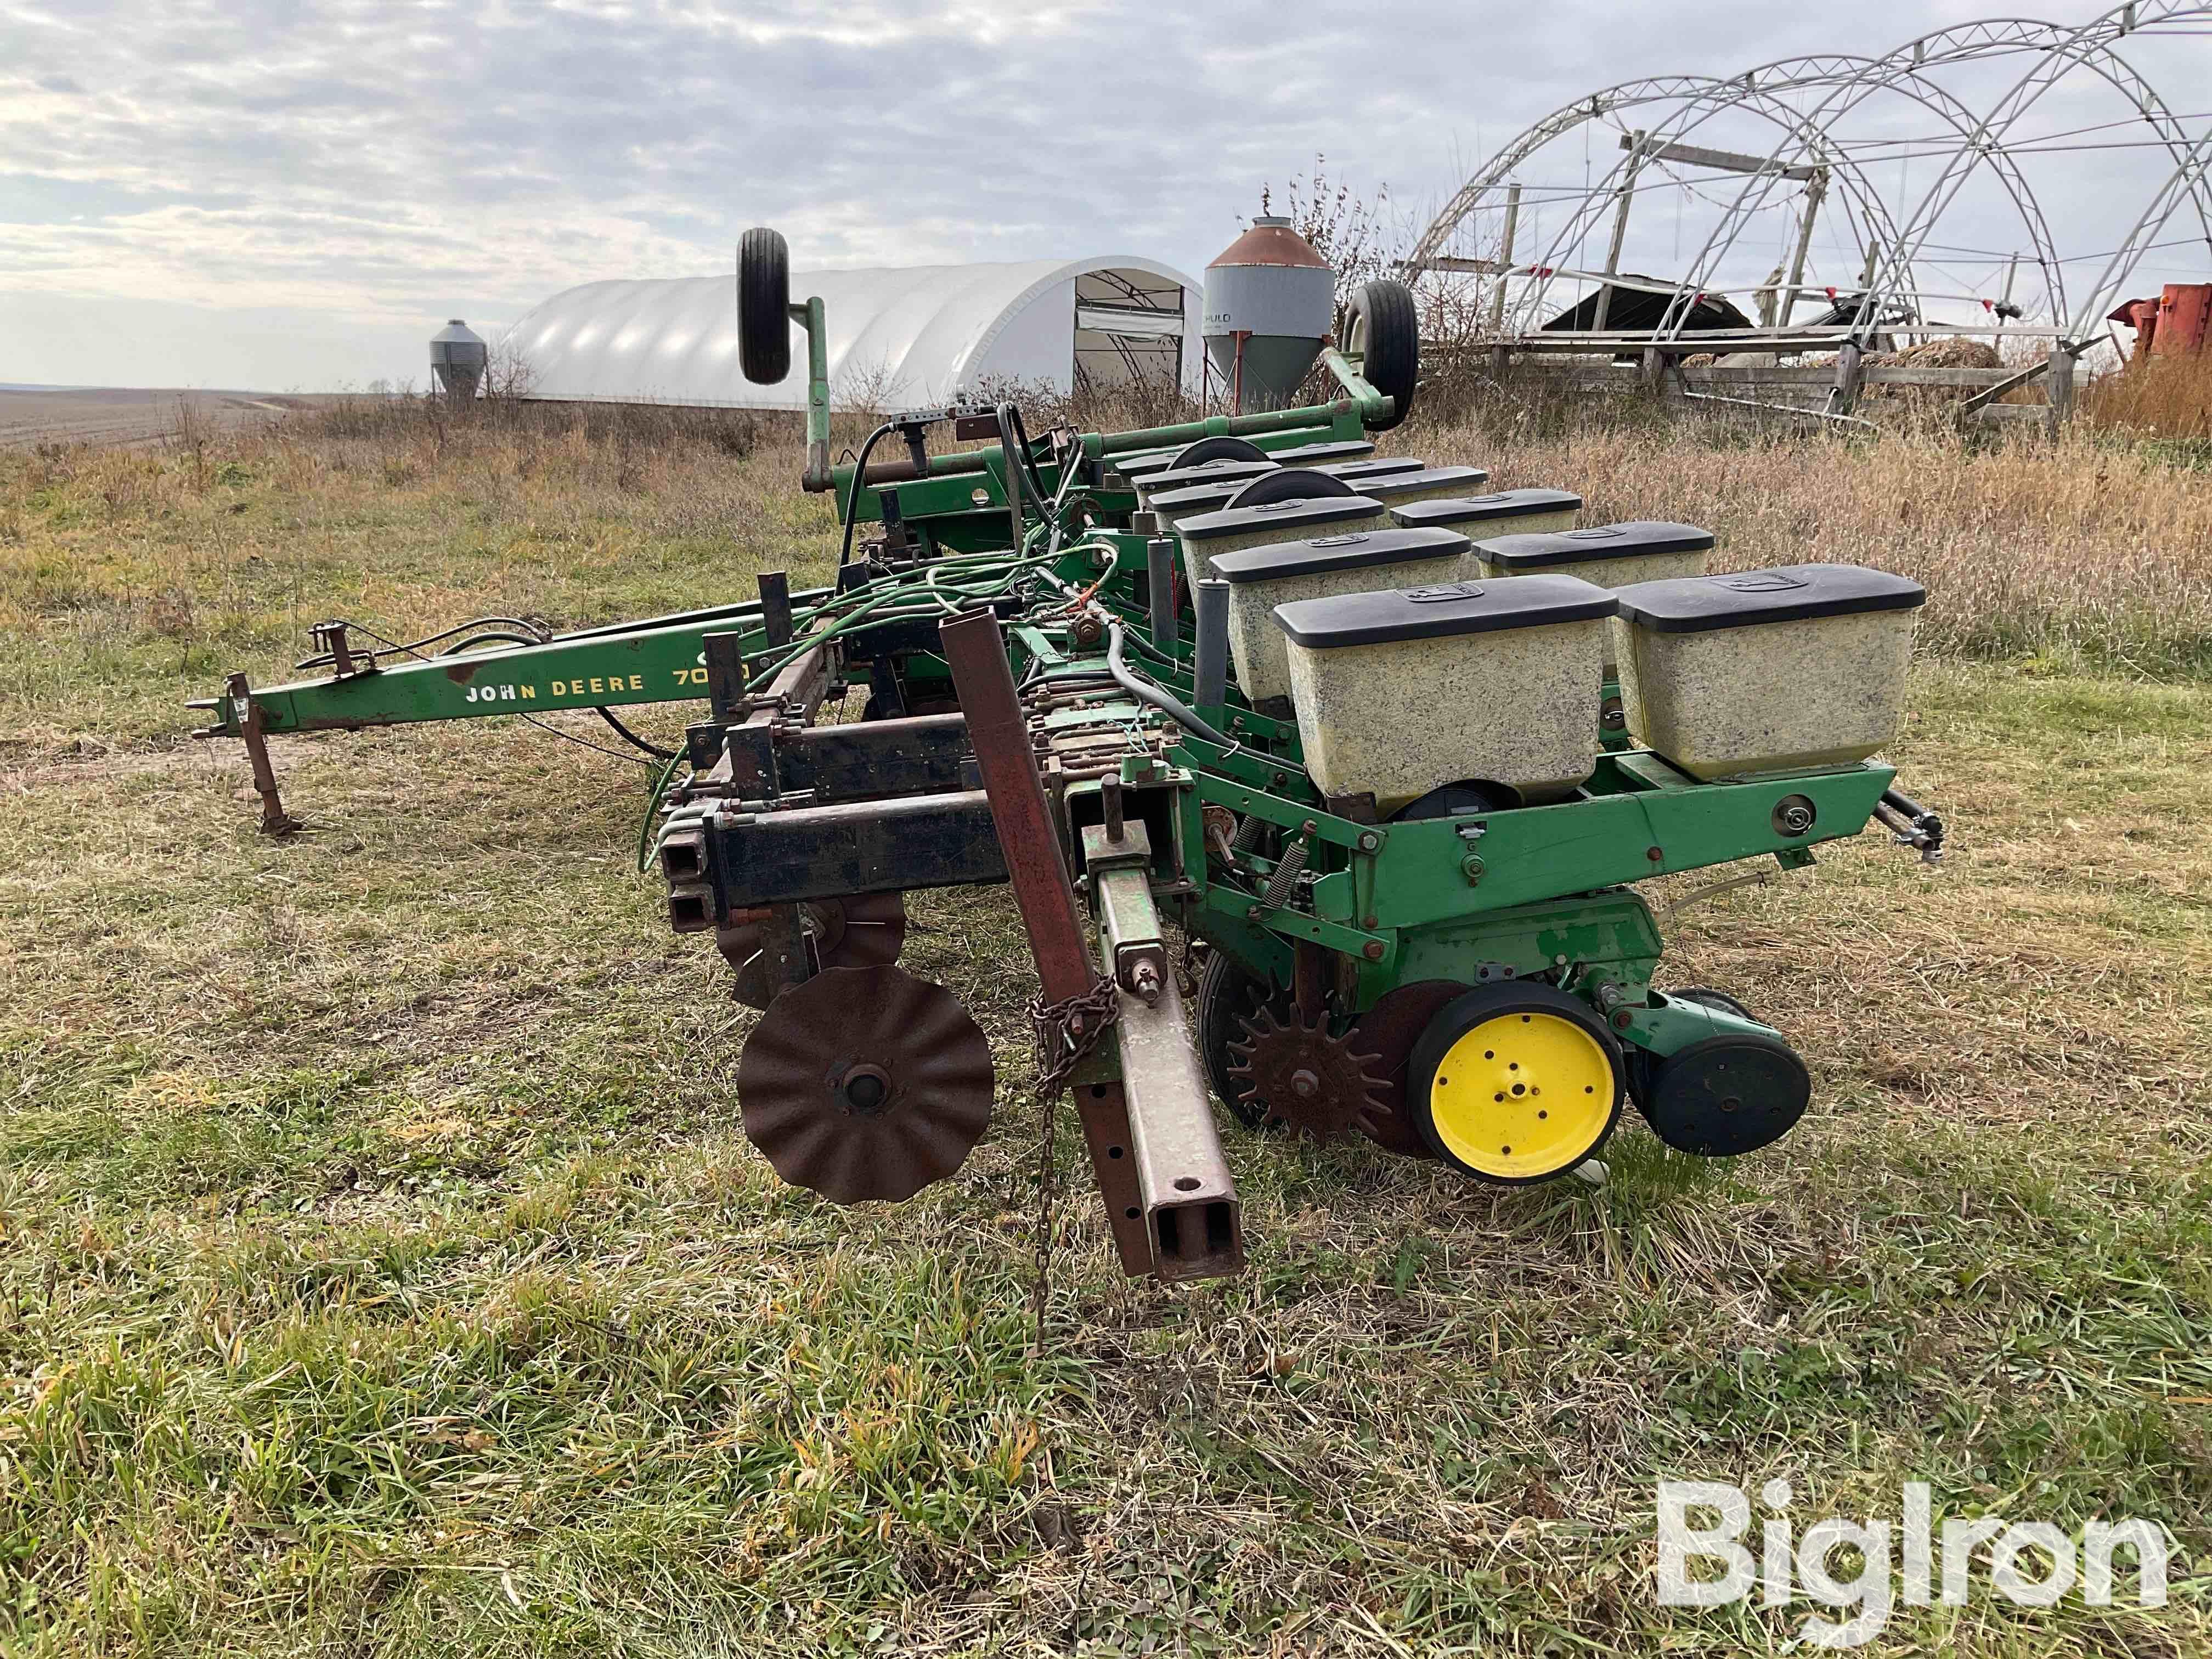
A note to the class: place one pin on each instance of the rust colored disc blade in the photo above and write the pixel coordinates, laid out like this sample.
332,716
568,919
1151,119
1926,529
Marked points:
1387,1033
866,1083
867,930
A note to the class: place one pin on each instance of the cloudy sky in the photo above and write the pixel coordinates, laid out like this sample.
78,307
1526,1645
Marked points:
293,194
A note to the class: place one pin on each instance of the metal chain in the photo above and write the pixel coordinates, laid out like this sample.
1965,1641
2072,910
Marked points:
1066,1032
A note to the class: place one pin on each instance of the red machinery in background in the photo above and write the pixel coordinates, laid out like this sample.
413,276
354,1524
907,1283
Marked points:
2171,325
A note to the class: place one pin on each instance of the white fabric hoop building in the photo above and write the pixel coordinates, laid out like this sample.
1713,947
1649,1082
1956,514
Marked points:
897,339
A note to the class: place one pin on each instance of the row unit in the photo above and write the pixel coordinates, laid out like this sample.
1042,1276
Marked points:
1400,691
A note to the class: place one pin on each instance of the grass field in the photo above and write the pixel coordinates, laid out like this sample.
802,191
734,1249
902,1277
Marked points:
382,1269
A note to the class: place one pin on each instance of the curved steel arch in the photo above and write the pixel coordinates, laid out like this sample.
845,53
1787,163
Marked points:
1852,80
1855,79
2124,259
1716,98
2087,45
1690,91
1625,94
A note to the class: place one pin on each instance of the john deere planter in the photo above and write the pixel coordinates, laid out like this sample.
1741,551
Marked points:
1404,863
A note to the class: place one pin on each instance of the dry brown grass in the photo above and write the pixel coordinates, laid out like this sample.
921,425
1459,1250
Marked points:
129,577
2157,397
2080,551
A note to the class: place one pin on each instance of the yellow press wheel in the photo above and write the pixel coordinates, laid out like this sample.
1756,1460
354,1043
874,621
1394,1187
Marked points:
1515,1083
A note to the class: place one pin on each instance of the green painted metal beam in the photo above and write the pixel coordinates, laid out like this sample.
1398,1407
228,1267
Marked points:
661,665
1606,839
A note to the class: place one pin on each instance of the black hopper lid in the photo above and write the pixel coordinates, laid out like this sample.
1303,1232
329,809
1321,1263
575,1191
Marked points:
1744,599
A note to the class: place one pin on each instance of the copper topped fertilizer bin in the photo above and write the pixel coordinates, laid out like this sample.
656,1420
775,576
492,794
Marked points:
1494,684
1353,562
1767,671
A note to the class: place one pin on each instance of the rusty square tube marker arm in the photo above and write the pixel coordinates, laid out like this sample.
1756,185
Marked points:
1183,1195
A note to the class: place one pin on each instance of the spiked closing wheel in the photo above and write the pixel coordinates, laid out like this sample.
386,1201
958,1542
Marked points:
1306,1079
866,1083
864,931
1386,1035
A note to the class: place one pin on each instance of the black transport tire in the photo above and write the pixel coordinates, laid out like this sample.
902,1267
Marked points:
1292,483
1381,325
763,306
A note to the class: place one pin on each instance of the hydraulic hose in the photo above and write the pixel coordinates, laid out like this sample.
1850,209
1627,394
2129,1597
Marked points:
648,842
1144,691
853,499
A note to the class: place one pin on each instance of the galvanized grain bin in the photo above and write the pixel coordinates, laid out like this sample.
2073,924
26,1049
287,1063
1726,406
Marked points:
459,357
1270,304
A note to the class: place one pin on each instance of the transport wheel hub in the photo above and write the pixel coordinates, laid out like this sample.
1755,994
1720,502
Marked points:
866,1083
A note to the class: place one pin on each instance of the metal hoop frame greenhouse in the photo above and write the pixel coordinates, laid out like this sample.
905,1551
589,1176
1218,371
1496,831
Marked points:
1810,103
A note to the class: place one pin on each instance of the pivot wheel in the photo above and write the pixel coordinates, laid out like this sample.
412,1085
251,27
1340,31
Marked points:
1515,1083
866,1083
1305,1080
863,931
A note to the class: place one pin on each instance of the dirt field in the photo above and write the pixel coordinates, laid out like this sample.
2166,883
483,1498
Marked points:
112,415
383,1270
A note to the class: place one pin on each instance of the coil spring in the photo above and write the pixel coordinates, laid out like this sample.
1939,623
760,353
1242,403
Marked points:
1287,870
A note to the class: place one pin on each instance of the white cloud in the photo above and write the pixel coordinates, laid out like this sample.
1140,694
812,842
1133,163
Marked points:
366,169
